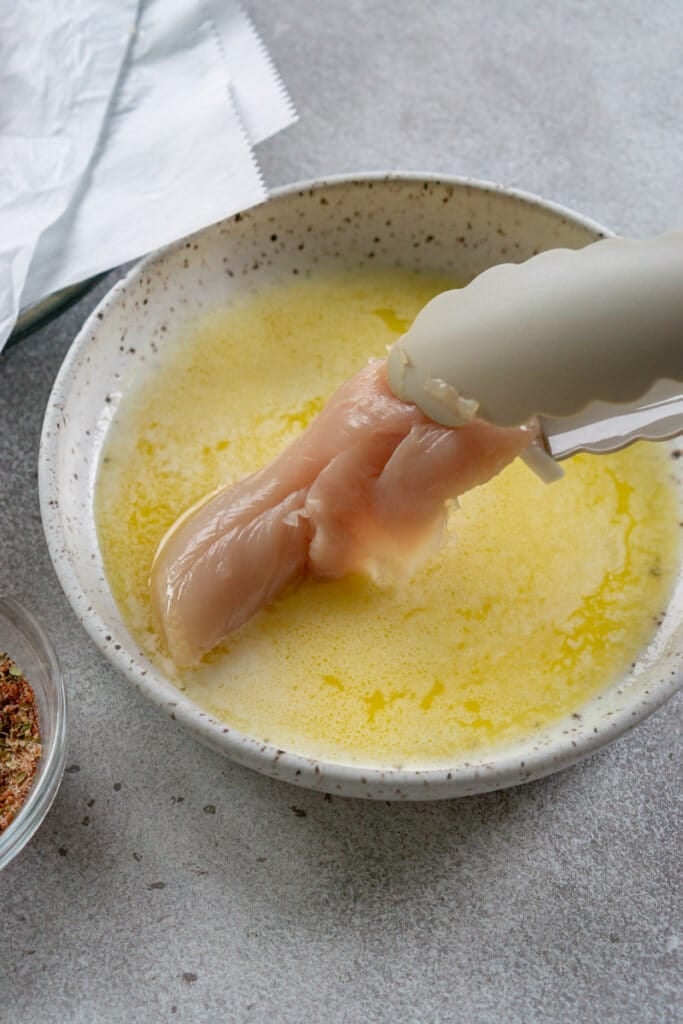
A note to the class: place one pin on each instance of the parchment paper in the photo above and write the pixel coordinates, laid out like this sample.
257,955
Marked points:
142,118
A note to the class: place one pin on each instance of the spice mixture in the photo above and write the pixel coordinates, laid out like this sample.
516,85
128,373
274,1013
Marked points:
19,739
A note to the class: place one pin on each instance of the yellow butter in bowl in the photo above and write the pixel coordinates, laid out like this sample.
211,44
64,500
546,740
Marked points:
539,599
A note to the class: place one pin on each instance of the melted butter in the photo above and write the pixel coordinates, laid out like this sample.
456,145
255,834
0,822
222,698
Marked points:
542,596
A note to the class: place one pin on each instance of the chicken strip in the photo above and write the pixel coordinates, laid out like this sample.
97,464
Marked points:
363,489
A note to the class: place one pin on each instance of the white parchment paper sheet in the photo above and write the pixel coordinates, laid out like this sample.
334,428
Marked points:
184,91
59,64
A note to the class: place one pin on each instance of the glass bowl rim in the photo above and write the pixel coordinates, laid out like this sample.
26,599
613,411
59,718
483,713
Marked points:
41,795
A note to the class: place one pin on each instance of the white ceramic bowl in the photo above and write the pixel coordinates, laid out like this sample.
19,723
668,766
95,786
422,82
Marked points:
454,226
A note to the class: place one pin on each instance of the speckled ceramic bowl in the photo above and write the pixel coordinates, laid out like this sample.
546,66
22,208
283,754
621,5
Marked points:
453,226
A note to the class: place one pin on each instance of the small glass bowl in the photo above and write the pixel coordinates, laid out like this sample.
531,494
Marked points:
25,642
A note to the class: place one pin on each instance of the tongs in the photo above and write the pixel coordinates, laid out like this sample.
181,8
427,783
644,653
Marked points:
587,344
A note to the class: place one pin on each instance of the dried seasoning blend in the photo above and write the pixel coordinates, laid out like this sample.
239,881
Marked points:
19,739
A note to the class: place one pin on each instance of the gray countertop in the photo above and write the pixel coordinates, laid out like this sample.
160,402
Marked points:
168,884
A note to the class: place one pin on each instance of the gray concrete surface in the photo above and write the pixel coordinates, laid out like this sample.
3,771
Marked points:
167,884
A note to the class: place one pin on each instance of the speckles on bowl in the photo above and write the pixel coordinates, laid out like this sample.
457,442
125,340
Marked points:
449,226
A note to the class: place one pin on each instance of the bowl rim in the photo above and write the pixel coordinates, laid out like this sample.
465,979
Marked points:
502,770
43,792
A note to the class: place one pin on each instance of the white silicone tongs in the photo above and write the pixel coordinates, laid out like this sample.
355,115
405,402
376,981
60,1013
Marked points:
589,342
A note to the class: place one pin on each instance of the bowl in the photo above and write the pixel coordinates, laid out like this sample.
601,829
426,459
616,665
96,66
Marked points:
24,640
454,226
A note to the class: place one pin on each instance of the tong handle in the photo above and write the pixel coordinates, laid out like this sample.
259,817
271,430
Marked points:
549,336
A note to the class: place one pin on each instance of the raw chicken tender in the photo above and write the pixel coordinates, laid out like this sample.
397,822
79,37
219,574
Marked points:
363,489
